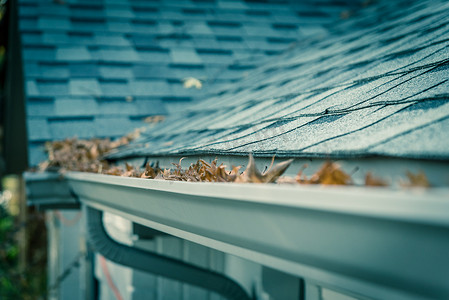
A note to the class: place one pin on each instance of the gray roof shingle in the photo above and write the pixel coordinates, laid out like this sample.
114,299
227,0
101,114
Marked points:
378,85
84,59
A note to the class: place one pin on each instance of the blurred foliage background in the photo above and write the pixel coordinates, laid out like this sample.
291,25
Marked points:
23,255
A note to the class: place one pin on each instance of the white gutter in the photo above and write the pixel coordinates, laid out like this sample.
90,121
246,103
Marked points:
379,243
49,191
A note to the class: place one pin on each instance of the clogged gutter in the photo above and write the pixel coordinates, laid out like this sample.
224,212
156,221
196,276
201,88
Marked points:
87,156
322,234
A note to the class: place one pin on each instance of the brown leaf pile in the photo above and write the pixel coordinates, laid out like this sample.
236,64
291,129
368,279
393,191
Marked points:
201,171
87,156
76,155
82,155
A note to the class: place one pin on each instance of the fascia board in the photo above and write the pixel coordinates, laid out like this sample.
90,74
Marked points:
380,243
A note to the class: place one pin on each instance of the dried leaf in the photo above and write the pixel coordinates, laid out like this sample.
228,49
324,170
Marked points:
149,172
253,175
191,82
154,119
370,180
329,174
271,164
43,165
273,174
417,180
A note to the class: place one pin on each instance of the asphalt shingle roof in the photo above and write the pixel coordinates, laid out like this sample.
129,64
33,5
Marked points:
377,85
84,59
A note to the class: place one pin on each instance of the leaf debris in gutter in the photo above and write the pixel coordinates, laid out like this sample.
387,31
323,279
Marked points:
82,155
87,156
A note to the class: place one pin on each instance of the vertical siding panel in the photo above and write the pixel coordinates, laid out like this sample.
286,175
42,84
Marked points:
216,263
145,284
169,289
197,255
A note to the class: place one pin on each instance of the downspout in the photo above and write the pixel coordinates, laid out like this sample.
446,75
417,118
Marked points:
158,264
